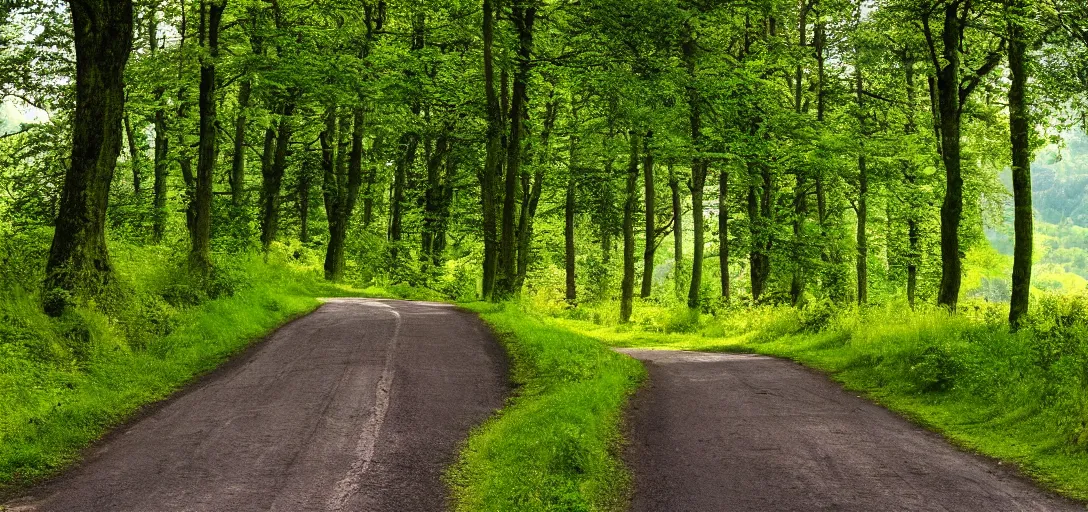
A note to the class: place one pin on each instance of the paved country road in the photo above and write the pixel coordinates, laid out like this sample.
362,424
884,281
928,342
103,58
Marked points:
358,406
718,432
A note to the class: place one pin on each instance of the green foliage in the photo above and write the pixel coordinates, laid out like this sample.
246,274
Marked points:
555,446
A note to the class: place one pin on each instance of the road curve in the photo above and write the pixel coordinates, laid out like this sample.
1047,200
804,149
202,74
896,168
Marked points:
358,406
716,432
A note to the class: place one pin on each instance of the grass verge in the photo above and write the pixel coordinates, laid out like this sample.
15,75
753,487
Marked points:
555,446
1021,398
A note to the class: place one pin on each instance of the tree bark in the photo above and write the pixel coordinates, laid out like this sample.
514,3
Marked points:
951,94
651,216
161,164
208,149
523,17
434,201
487,176
862,239
79,262
162,146
723,232
409,141
569,206
863,193
677,230
340,195
698,169
759,221
531,194
630,203
948,81
305,185
272,182
1020,134
238,158
800,199
134,157
913,229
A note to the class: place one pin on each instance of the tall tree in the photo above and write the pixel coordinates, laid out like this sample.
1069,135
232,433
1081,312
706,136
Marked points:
208,148
523,16
1020,135
650,207
79,261
629,205
952,91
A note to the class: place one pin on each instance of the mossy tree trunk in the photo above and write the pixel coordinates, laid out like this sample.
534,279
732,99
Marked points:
1020,134
78,258
208,148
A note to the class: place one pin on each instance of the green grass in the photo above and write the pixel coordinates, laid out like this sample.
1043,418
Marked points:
556,444
65,382
1021,398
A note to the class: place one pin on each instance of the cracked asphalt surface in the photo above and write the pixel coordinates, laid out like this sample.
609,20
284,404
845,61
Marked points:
358,406
720,432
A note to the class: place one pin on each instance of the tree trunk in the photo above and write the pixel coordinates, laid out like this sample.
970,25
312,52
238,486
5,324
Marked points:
630,203
694,287
723,232
1020,132
487,176
569,206
948,97
238,158
651,216
605,219
698,170
531,194
305,185
862,239
162,152
272,183
208,149
78,262
373,164
677,231
800,199
759,220
134,157
434,198
863,193
409,141
523,18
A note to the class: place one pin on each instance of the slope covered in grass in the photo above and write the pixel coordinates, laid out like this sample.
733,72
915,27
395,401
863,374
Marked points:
555,445
1020,397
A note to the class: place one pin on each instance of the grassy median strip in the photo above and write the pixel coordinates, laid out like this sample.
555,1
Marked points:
555,446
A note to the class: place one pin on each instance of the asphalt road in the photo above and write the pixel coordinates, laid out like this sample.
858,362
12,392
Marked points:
358,406
717,432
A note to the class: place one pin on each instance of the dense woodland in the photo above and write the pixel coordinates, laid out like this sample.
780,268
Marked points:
716,153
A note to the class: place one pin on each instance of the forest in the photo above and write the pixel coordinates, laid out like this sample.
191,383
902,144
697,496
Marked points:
787,175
